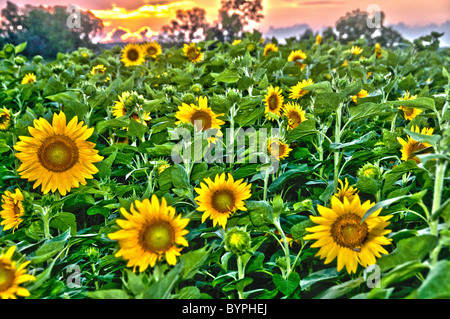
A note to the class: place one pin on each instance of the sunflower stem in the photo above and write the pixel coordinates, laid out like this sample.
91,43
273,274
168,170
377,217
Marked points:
285,247
241,275
337,139
437,196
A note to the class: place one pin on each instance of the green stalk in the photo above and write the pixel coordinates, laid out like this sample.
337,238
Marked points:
437,196
337,139
241,274
285,247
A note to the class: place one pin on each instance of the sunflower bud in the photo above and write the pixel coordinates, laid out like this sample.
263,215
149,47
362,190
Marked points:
58,69
370,170
188,98
37,59
9,50
197,89
19,60
237,240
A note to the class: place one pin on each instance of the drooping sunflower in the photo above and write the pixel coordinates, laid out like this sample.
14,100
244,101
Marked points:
5,118
152,49
297,57
277,148
346,191
98,69
340,233
12,209
412,146
192,52
149,232
355,50
132,54
12,275
127,100
201,116
273,101
361,94
294,114
220,198
297,90
270,47
57,156
409,112
28,78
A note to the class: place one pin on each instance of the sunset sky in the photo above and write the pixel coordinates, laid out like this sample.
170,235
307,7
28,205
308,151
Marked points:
136,16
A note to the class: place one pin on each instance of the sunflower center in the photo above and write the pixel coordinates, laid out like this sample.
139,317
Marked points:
58,153
273,102
4,118
294,119
158,237
151,51
223,201
347,231
408,110
193,54
6,277
277,149
201,120
133,55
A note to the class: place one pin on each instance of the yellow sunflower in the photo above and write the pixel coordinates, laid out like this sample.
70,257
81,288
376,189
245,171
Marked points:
12,209
220,198
409,112
98,69
294,114
278,148
270,47
236,42
361,94
273,101
346,191
57,156
378,52
192,52
132,54
412,146
11,276
355,50
125,102
318,39
5,119
152,49
297,90
340,234
297,57
150,231
201,116
28,78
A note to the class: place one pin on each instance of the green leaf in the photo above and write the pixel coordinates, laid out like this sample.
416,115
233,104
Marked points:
192,261
302,168
137,129
286,286
430,139
302,130
50,248
320,87
19,48
366,137
321,275
246,118
97,209
437,283
53,87
227,76
298,231
342,289
424,103
401,273
64,221
408,249
108,294
180,178
189,292
408,83
260,212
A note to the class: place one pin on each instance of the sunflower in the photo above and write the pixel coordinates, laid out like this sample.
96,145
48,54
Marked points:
152,49
12,209
297,90
28,78
361,94
5,118
294,113
270,47
192,52
355,50
409,112
150,231
98,69
57,156
378,51
278,148
201,116
412,146
12,276
236,42
346,191
127,100
297,57
318,39
340,233
132,54
220,198
273,101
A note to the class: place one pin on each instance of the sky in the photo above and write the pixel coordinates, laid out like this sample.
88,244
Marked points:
138,17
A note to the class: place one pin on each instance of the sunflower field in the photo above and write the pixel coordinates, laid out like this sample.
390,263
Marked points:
243,170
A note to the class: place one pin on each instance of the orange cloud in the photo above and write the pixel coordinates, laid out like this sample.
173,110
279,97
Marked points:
124,34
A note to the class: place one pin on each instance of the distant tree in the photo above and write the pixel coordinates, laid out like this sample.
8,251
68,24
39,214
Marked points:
354,26
189,25
307,34
329,34
46,29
